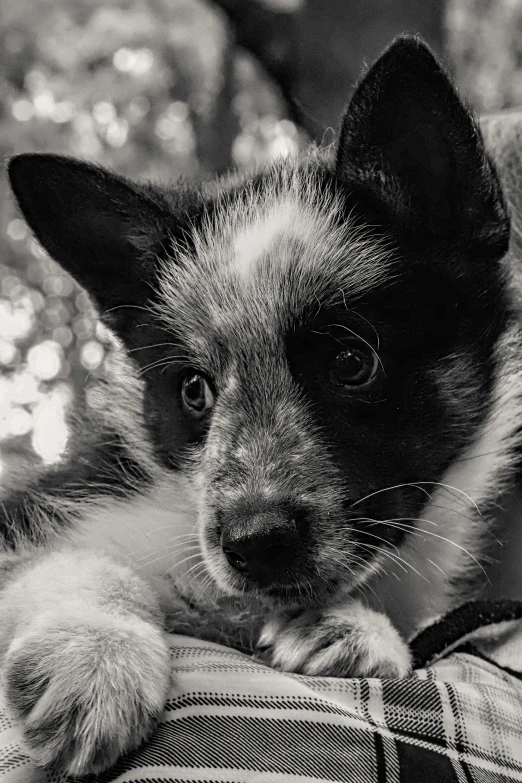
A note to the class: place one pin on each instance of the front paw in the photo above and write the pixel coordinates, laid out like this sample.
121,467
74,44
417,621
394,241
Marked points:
85,693
343,641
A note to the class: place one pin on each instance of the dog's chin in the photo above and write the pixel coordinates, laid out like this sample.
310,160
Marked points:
291,593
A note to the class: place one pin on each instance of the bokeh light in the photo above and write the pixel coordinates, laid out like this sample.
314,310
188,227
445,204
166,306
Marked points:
44,360
50,434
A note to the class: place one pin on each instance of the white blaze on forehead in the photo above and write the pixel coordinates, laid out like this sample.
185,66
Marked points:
255,239
245,251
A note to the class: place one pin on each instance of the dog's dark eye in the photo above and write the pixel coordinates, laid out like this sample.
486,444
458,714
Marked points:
355,366
196,394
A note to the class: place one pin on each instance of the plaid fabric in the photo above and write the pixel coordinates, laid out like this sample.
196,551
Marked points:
232,720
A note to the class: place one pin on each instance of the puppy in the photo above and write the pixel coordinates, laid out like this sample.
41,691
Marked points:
310,410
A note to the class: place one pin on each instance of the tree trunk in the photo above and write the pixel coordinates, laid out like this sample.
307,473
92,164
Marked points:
315,53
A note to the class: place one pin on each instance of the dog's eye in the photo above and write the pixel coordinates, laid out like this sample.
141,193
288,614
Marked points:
196,394
354,367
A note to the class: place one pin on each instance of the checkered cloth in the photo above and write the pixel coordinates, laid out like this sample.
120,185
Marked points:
232,720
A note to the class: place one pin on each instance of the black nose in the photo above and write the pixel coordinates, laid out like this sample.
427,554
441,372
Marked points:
262,545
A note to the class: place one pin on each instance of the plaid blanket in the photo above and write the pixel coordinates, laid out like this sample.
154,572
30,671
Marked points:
233,720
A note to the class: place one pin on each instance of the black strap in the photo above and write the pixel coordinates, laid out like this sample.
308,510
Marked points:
446,632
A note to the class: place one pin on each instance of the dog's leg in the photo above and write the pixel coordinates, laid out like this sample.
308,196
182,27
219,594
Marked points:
85,662
347,640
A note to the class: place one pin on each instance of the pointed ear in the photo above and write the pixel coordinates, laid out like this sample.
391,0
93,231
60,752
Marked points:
412,149
104,230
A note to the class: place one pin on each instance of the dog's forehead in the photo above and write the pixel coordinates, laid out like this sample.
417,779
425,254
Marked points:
265,259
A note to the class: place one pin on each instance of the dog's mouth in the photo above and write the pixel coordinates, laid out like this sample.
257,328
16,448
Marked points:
301,593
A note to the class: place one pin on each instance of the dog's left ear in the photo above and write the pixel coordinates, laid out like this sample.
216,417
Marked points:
411,149
107,232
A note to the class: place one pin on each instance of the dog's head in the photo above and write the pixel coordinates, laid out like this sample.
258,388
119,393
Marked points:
316,341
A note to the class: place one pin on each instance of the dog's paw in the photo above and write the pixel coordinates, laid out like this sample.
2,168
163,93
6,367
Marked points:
86,692
344,641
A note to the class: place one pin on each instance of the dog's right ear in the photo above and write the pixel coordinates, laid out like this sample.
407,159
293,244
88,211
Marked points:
410,147
106,231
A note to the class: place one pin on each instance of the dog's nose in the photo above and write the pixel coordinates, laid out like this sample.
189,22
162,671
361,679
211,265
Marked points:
262,545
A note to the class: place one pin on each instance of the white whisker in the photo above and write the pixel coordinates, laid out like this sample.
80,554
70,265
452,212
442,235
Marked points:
180,562
154,345
416,531
418,485
165,552
437,566
396,558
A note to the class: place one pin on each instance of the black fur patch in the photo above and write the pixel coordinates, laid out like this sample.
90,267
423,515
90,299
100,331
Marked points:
400,429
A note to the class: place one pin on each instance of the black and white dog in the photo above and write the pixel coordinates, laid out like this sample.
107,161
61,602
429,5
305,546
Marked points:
311,410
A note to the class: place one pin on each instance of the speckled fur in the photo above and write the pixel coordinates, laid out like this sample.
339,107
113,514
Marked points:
120,542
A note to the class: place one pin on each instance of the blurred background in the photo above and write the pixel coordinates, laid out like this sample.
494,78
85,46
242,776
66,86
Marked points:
167,88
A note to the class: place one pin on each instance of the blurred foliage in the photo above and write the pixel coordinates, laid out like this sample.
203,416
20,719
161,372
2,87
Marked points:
484,45
152,88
